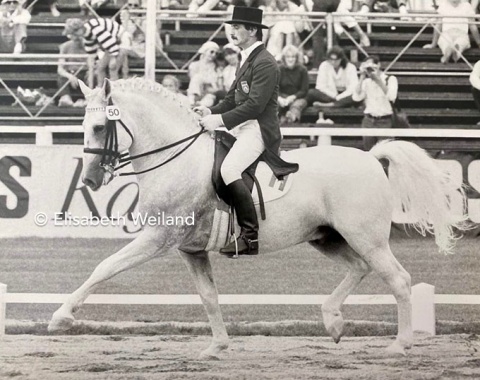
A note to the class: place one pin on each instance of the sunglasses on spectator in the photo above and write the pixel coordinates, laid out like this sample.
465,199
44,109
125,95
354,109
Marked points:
11,2
133,5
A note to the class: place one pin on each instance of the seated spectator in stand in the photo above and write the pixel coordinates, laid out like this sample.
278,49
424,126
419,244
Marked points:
34,5
475,82
66,72
227,76
204,76
197,7
384,6
133,36
13,23
171,83
260,4
283,31
453,39
336,81
102,38
95,4
378,91
293,85
319,44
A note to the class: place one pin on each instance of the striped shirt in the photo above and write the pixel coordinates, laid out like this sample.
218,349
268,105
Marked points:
102,33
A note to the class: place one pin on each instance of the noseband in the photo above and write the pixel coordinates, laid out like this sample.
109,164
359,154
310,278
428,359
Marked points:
111,157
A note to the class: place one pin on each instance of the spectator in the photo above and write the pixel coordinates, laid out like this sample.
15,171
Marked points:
66,72
102,37
336,81
13,22
318,39
378,91
171,83
282,31
453,39
197,7
133,36
204,76
33,5
230,52
475,82
384,6
293,85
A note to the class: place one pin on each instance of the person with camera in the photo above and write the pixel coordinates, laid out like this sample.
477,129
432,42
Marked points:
377,90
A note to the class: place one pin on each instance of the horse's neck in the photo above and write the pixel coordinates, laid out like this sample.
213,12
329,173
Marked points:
185,175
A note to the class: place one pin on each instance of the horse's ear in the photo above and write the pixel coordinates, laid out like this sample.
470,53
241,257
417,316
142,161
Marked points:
85,89
107,87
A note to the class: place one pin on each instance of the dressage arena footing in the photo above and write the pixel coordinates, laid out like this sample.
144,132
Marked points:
280,328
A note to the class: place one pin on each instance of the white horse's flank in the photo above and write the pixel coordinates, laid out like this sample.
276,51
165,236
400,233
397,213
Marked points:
336,188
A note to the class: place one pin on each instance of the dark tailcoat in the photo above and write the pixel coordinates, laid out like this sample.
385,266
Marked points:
253,96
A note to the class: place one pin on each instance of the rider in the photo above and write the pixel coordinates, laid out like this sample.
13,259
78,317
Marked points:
250,112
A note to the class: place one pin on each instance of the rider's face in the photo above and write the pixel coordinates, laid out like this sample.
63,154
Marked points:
241,36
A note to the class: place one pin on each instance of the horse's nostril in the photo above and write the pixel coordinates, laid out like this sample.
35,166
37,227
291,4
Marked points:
90,183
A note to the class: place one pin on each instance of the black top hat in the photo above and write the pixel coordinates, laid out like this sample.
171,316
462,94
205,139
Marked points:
247,15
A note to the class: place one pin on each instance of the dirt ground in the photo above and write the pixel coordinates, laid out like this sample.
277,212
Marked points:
258,357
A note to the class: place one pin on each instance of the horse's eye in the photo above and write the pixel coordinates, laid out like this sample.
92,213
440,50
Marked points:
98,128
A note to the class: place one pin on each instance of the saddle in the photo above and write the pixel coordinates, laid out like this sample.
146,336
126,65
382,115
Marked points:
223,143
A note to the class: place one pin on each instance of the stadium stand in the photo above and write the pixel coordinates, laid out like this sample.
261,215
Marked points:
434,95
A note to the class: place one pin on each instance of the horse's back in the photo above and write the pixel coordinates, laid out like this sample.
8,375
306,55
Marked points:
344,180
337,160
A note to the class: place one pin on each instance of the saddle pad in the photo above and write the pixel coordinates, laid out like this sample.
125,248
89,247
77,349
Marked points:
270,186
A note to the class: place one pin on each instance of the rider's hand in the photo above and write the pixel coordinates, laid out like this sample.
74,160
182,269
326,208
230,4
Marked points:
202,111
211,122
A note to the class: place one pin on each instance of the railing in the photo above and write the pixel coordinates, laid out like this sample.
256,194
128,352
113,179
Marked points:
424,300
44,135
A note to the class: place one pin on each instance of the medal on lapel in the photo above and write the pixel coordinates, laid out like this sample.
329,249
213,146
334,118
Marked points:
245,87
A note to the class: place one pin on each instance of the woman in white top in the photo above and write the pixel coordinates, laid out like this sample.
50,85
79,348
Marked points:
13,26
453,39
204,76
336,81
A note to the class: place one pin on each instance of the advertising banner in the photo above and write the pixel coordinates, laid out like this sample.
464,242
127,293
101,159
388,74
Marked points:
42,194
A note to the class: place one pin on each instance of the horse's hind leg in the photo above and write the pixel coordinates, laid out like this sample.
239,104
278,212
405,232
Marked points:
201,270
136,252
391,271
357,270
381,260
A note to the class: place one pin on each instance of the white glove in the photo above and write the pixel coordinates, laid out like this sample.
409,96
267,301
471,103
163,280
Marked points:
211,122
202,111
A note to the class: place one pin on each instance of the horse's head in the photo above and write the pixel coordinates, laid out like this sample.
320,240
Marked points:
103,141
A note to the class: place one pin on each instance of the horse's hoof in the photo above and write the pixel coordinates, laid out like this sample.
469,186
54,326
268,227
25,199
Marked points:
335,327
211,353
396,349
207,355
60,322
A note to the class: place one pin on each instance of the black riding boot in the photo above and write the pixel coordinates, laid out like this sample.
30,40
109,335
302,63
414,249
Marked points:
247,219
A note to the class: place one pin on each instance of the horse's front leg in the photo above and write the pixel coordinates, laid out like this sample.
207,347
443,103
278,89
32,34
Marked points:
137,252
201,270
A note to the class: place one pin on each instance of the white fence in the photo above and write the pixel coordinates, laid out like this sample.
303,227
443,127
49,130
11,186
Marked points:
44,134
423,301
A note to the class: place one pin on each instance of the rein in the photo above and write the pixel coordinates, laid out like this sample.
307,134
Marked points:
111,157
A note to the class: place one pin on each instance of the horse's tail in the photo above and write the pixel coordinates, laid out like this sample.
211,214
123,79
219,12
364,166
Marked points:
423,192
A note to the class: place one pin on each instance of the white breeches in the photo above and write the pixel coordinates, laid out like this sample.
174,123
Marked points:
248,147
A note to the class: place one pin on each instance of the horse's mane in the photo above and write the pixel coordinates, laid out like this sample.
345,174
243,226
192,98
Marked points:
176,101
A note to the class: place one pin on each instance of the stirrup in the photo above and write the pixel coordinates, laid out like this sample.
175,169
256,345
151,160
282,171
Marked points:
248,247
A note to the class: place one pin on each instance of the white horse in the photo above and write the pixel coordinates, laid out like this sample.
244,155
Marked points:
336,189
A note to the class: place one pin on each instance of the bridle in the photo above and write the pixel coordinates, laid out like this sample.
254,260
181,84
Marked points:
112,160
